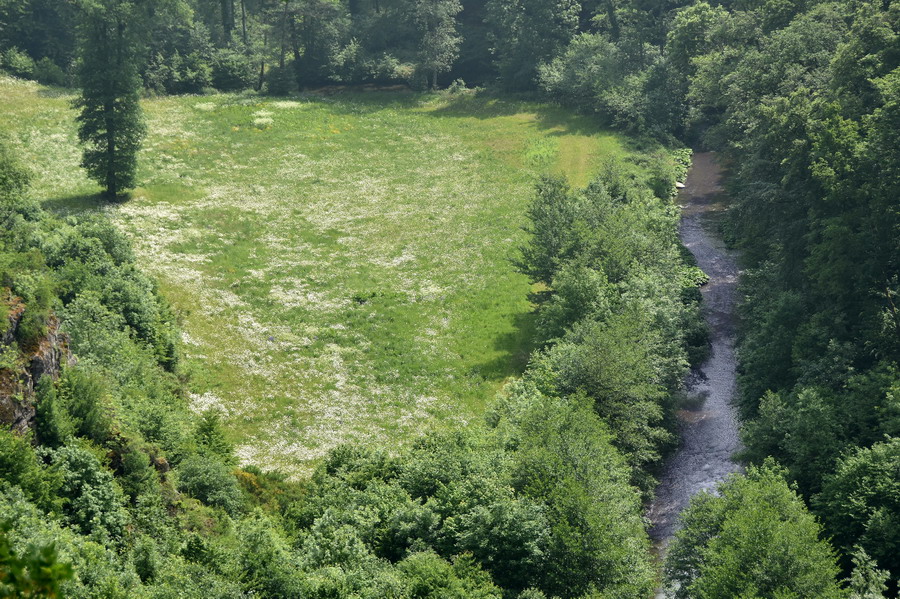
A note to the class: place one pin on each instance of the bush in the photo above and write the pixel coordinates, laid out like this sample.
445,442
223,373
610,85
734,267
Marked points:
94,502
232,70
49,73
19,466
17,63
84,396
14,177
431,576
36,572
177,74
53,423
212,482
280,81
33,326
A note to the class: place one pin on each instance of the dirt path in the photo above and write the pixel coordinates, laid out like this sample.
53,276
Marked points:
709,428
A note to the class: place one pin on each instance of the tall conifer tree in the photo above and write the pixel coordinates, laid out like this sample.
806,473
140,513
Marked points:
110,125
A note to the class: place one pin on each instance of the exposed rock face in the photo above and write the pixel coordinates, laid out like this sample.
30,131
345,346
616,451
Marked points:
17,384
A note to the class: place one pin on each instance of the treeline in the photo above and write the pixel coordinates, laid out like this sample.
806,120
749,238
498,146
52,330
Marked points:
804,104
606,56
189,46
619,317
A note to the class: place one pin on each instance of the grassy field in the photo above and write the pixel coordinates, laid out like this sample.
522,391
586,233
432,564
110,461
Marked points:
341,263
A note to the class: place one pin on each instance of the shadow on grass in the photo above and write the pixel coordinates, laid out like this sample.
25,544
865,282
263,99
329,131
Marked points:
515,346
553,119
56,92
81,203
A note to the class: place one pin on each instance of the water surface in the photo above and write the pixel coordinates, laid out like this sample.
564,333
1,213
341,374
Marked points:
708,423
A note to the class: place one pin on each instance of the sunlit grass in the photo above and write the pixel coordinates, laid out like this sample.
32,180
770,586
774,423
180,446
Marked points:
342,265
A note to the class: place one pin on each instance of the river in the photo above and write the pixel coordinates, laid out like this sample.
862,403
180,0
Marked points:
708,421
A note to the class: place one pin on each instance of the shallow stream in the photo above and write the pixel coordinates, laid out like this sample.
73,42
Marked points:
708,422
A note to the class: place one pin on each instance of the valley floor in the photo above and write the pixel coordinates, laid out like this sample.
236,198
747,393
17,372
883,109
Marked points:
342,264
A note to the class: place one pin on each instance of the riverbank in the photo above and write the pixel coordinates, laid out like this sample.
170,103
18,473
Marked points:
708,420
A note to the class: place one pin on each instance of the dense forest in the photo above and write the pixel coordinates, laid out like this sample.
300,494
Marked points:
112,486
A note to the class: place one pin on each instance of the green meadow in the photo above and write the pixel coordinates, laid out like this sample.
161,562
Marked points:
341,264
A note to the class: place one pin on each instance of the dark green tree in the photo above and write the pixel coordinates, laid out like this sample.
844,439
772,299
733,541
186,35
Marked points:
439,46
110,124
528,33
860,503
755,539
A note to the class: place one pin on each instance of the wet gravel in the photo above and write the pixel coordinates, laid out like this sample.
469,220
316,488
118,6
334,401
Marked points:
708,423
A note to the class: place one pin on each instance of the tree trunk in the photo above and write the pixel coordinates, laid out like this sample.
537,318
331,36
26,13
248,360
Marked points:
262,62
613,19
283,33
227,18
295,47
243,23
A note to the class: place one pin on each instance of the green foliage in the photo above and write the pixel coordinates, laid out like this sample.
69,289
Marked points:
802,100
21,467
527,33
439,45
754,539
49,73
210,437
431,577
110,122
552,216
179,75
564,460
266,564
53,425
280,80
866,581
620,323
36,572
83,398
137,475
859,502
540,500
14,177
93,499
212,482
17,63
579,292
231,69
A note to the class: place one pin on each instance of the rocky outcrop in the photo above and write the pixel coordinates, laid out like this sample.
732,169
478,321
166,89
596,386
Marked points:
18,380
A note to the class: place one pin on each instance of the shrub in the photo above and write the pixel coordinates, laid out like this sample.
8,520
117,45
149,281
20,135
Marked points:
94,502
14,177
53,423
280,81
49,73
232,70
36,572
83,394
210,437
17,63
19,466
212,482
431,576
